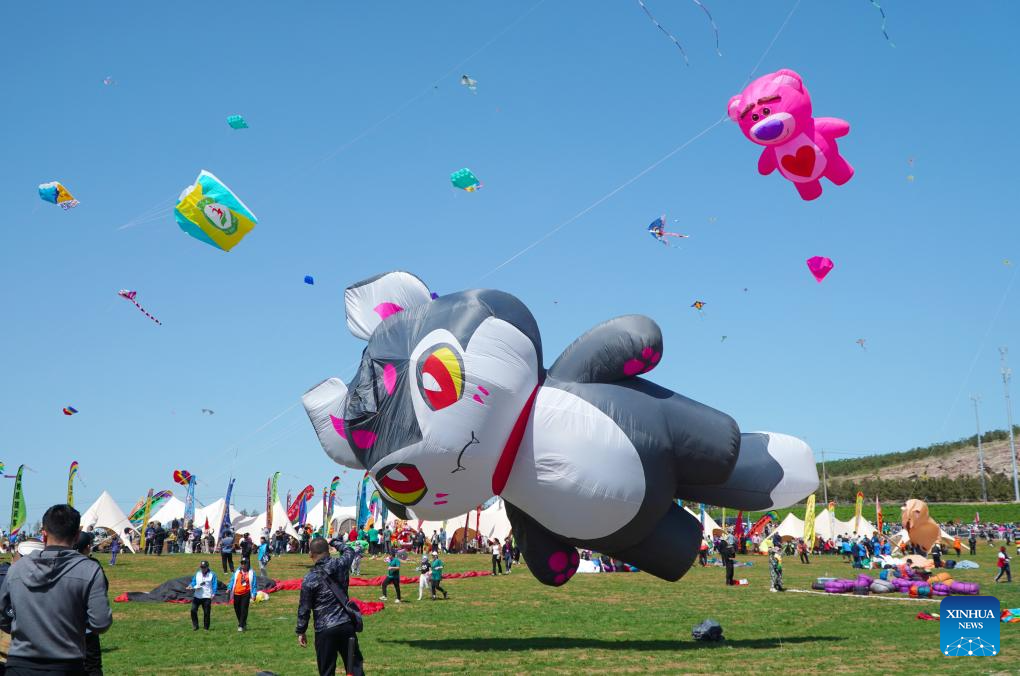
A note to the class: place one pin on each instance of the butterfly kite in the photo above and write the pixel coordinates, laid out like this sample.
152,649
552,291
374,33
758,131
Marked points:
130,295
698,304
657,229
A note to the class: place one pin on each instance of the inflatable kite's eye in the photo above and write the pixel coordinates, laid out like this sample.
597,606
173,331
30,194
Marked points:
754,117
441,377
765,112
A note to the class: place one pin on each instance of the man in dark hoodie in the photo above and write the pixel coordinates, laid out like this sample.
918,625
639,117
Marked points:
48,601
334,628
93,649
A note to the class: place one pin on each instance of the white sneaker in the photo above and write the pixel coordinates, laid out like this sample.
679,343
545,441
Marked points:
240,628
397,601
383,598
773,589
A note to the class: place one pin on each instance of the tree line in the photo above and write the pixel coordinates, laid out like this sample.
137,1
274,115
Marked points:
929,489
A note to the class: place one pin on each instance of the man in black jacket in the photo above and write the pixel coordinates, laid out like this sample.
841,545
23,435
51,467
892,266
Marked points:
334,629
727,553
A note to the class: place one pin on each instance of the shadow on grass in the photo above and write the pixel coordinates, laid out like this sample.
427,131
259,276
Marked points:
572,643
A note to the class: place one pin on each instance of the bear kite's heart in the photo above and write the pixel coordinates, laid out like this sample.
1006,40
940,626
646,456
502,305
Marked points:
801,164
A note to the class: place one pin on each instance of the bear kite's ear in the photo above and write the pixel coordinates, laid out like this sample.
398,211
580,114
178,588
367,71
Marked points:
788,78
371,301
734,108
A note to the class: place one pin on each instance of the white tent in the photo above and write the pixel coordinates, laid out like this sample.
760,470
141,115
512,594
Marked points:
902,536
491,523
254,525
711,527
104,513
214,513
168,511
793,527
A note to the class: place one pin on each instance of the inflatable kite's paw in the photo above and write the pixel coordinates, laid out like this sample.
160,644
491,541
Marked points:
558,568
644,362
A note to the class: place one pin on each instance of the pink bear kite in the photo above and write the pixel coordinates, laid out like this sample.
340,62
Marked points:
775,111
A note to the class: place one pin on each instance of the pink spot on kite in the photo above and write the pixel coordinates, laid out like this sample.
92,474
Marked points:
439,502
656,357
384,310
632,367
363,438
478,399
389,378
646,353
558,561
441,495
560,579
338,425
483,390
574,560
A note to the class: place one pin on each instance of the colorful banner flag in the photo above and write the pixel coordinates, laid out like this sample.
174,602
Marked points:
333,488
137,512
146,513
294,509
225,524
325,509
878,514
738,530
71,474
809,522
977,518
362,508
702,515
272,502
189,504
18,514
857,511
302,517
269,504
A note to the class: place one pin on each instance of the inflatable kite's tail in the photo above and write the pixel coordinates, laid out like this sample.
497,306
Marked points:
773,470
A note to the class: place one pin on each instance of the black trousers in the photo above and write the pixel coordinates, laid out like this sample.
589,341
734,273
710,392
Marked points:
804,557
436,586
241,605
227,560
395,581
729,571
496,562
973,548
47,669
206,605
93,655
336,641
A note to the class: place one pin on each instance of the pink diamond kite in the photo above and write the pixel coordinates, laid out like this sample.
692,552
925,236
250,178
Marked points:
819,266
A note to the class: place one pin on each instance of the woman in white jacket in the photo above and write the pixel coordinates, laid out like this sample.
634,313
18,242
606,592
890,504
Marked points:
424,571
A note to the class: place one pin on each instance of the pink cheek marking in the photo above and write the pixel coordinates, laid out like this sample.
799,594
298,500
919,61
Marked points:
338,425
483,390
385,310
439,502
389,377
632,367
363,438
441,495
478,399
646,353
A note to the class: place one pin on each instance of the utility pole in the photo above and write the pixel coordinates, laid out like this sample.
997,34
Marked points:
981,456
825,481
1007,373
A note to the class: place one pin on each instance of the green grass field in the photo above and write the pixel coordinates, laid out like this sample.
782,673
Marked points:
620,622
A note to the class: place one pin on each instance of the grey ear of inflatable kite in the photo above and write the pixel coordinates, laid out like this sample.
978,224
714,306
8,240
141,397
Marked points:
619,348
324,403
372,300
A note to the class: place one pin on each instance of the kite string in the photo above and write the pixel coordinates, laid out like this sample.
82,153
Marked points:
711,21
650,167
882,12
977,354
399,109
666,32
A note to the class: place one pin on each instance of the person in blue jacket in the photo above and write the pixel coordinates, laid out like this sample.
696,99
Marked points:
205,586
264,555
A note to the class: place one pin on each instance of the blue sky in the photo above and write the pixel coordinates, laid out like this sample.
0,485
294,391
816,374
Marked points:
573,99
